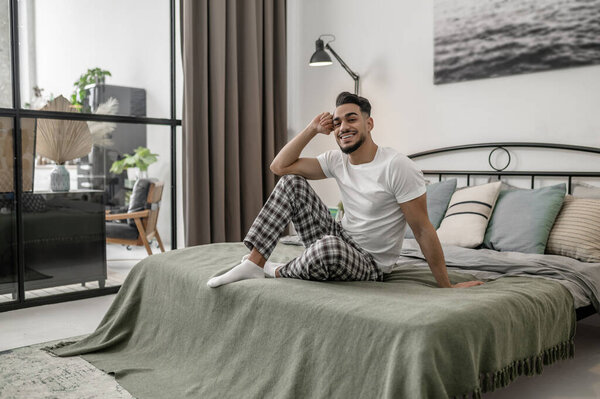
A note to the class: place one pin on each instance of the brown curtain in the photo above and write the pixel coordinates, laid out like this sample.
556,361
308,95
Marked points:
234,112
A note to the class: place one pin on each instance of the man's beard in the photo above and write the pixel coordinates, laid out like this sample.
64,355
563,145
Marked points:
356,146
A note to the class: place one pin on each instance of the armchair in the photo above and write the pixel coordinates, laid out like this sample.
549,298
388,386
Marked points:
139,223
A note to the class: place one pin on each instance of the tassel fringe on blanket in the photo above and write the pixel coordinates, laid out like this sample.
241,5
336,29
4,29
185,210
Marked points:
490,381
50,349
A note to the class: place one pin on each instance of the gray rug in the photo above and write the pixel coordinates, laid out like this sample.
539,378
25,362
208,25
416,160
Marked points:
31,373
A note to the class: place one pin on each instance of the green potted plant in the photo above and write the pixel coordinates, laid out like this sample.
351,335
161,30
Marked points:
80,92
140,159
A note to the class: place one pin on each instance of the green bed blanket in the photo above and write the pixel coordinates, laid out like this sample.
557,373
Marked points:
167,335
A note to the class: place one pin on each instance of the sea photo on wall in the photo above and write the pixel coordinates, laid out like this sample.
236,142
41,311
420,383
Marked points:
476,39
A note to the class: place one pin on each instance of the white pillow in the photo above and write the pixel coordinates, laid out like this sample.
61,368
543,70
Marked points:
583,190
468,215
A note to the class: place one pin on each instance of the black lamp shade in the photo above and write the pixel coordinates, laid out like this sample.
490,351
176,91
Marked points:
320,56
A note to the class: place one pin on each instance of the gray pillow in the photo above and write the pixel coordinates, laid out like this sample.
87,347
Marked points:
438,198
522,219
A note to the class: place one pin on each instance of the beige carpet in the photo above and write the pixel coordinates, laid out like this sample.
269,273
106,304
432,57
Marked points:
32,373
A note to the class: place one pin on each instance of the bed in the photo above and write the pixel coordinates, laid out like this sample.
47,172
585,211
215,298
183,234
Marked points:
168,335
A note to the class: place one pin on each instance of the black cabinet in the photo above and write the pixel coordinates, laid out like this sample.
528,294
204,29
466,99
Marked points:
64,240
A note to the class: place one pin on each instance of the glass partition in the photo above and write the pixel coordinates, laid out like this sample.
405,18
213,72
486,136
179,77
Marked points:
96,194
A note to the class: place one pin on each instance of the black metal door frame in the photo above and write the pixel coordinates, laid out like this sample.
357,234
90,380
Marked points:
16,113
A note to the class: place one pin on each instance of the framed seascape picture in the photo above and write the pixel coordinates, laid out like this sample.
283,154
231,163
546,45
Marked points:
476,39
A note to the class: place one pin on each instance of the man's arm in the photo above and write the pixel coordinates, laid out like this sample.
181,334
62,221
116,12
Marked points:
415,212
288,160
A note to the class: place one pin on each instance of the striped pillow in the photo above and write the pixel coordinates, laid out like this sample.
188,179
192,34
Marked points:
468,215
576,231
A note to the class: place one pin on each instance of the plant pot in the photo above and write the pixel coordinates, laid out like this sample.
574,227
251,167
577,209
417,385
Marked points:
60,179
132,173
136,173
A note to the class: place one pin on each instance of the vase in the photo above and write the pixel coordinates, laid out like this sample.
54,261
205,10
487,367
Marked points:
60,179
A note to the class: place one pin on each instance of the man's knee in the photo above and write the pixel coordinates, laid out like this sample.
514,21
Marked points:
328,248
329,241
292,180
325,255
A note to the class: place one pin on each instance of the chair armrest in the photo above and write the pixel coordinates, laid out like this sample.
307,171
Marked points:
117,216
132,215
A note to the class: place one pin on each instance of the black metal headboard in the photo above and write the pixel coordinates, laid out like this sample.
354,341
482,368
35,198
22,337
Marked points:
502,146
581,312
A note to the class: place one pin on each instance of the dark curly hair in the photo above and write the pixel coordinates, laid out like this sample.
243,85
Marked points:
349,98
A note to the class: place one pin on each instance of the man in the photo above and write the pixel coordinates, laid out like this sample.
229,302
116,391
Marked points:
381,190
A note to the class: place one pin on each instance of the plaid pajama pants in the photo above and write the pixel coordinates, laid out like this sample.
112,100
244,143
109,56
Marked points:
331,254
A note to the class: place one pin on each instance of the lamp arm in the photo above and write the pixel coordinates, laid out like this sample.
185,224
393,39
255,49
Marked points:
353,74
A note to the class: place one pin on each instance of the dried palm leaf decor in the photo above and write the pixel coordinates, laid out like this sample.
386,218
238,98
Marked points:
62,140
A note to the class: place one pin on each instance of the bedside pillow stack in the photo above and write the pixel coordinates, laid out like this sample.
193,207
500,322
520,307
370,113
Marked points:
506,218
468,214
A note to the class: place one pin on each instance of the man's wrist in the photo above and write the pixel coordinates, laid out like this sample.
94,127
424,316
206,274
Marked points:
310,127
311,131
444,281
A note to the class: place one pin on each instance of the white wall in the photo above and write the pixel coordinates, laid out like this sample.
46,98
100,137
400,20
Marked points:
128,38
390,45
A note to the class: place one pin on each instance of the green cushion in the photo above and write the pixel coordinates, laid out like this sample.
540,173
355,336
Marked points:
522,219
438,198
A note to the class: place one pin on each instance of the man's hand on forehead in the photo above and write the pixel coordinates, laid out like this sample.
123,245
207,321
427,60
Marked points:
323,123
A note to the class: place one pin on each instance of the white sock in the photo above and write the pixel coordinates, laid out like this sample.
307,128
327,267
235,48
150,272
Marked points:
269,268
245,270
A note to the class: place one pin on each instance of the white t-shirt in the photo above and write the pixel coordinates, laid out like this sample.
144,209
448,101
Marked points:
371,193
